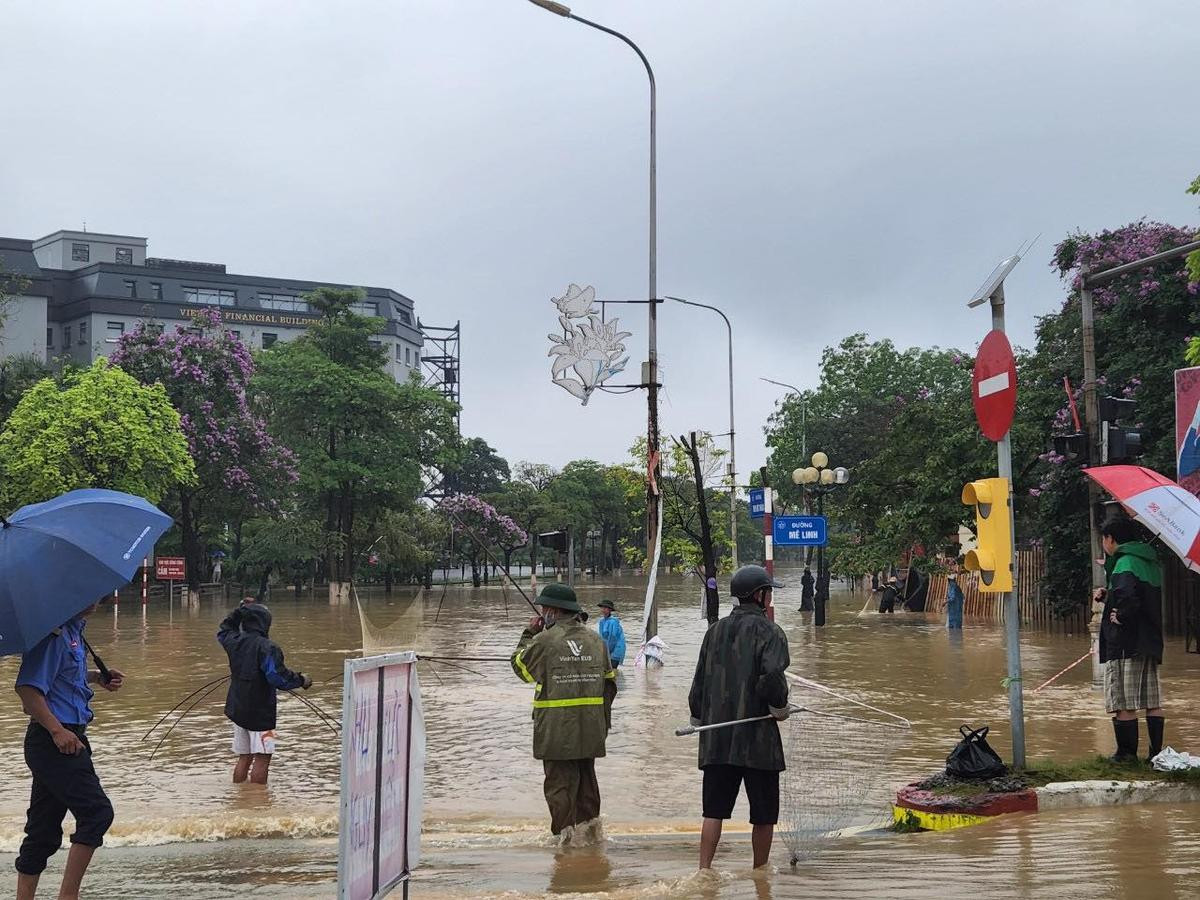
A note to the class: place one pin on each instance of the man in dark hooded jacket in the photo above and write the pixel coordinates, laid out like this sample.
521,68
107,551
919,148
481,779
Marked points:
256,671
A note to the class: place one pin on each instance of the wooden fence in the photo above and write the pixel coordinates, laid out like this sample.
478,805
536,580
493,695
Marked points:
1035,612
1180,599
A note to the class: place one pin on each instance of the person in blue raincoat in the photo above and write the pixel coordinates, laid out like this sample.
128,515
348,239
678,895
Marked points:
954,602
610,629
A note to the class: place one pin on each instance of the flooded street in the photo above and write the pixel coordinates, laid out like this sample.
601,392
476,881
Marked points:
182,829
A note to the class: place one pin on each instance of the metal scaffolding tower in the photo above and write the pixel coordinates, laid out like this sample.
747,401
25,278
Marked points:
440,362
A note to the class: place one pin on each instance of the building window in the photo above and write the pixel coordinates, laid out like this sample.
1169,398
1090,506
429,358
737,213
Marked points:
130,288
49,338
82,333
365,308
408,356
125,256
236,335
81,252
286,302
156,290
405,318
67,336
268,339
209,296
115,330
399,358
154,329
375,345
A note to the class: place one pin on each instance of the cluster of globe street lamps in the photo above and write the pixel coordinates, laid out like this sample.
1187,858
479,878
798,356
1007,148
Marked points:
818,480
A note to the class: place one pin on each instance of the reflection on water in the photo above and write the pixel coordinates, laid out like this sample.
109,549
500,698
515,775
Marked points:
485,826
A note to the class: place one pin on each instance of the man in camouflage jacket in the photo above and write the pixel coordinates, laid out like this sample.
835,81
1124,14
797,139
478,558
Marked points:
574,686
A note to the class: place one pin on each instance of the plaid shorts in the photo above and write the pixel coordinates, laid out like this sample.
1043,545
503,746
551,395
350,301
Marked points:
1131,684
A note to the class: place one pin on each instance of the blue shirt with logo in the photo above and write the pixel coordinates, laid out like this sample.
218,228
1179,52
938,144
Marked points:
57,666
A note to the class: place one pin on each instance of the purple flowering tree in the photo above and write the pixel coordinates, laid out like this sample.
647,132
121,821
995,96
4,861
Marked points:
1142,322
241,469
479,526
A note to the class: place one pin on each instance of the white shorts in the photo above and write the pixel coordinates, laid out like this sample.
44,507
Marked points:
260,742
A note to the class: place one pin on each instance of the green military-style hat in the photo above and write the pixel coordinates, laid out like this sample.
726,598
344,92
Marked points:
607,604
559,596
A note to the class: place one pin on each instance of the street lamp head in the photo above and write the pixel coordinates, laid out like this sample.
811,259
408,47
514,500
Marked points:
798,476
811,475
827,476
841,475
557,8
820,460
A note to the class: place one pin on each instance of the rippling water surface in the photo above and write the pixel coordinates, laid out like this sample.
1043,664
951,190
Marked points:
184,830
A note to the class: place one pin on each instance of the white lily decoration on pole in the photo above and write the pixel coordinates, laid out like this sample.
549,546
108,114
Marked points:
590,350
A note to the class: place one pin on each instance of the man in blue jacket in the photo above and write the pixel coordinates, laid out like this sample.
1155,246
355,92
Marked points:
610,629
256,672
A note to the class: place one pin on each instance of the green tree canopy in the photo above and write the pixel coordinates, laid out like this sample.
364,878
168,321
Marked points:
97,428
363,441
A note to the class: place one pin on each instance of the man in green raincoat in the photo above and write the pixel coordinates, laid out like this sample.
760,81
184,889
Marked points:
1131,640
573,688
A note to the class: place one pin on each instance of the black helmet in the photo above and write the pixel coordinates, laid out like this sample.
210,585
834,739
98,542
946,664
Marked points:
749,579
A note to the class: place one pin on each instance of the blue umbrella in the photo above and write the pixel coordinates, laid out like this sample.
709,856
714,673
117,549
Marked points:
59,557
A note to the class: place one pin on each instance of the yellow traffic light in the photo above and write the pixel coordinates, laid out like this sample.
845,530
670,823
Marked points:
993,529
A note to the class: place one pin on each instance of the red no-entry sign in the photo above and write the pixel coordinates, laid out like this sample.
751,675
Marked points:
994,386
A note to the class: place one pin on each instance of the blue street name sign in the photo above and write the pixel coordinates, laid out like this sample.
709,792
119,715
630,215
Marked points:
758,506
800,531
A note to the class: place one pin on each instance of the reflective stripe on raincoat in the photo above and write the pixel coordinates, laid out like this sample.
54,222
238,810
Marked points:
573,688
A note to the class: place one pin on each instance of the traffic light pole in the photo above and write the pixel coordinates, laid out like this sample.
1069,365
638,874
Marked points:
1012,613
1091,418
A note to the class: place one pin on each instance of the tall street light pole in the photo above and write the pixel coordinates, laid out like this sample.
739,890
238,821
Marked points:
654,461
732,446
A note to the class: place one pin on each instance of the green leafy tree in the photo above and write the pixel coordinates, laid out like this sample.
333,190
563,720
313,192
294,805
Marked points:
478,469
17,375
97,428
286,545
362,440
902,422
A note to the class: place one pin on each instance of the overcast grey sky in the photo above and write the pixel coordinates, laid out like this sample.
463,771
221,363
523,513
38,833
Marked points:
823,167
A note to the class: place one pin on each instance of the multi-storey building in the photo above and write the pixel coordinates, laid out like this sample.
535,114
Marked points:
80,291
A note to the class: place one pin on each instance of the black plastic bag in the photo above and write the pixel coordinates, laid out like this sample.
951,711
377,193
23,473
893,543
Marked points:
973,759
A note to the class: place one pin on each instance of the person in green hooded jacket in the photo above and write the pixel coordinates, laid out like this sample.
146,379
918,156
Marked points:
1131,641
574,686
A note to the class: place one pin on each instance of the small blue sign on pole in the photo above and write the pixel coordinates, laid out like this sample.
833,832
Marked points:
800,531
758,505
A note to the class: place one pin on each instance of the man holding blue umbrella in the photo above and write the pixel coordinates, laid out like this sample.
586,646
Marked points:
54,686
56,557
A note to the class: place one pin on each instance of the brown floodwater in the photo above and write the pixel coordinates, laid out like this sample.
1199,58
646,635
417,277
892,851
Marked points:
183,829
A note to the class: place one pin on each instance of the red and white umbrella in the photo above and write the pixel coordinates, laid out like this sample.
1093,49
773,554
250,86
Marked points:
1168,510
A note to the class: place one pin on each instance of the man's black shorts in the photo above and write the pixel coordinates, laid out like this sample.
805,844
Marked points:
721,785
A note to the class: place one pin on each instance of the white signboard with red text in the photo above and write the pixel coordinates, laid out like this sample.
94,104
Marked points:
383,773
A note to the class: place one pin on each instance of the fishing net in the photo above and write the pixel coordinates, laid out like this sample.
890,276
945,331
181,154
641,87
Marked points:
836,749
396,634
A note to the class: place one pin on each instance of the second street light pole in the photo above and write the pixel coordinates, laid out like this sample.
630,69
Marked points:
653,458
733,549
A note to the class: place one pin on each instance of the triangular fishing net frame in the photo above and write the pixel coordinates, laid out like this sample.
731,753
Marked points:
382,638
835,747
